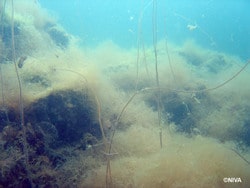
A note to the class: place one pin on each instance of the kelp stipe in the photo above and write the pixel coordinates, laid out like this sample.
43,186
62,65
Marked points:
158,94
140,46
28,181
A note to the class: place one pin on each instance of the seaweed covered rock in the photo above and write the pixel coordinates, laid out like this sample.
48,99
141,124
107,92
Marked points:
184,110
58,35
67,114
28,38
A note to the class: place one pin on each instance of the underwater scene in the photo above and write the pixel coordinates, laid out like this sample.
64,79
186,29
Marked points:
124,94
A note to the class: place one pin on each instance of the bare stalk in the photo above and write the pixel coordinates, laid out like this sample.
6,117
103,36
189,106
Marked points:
158,94
241,156
21,108
140,46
